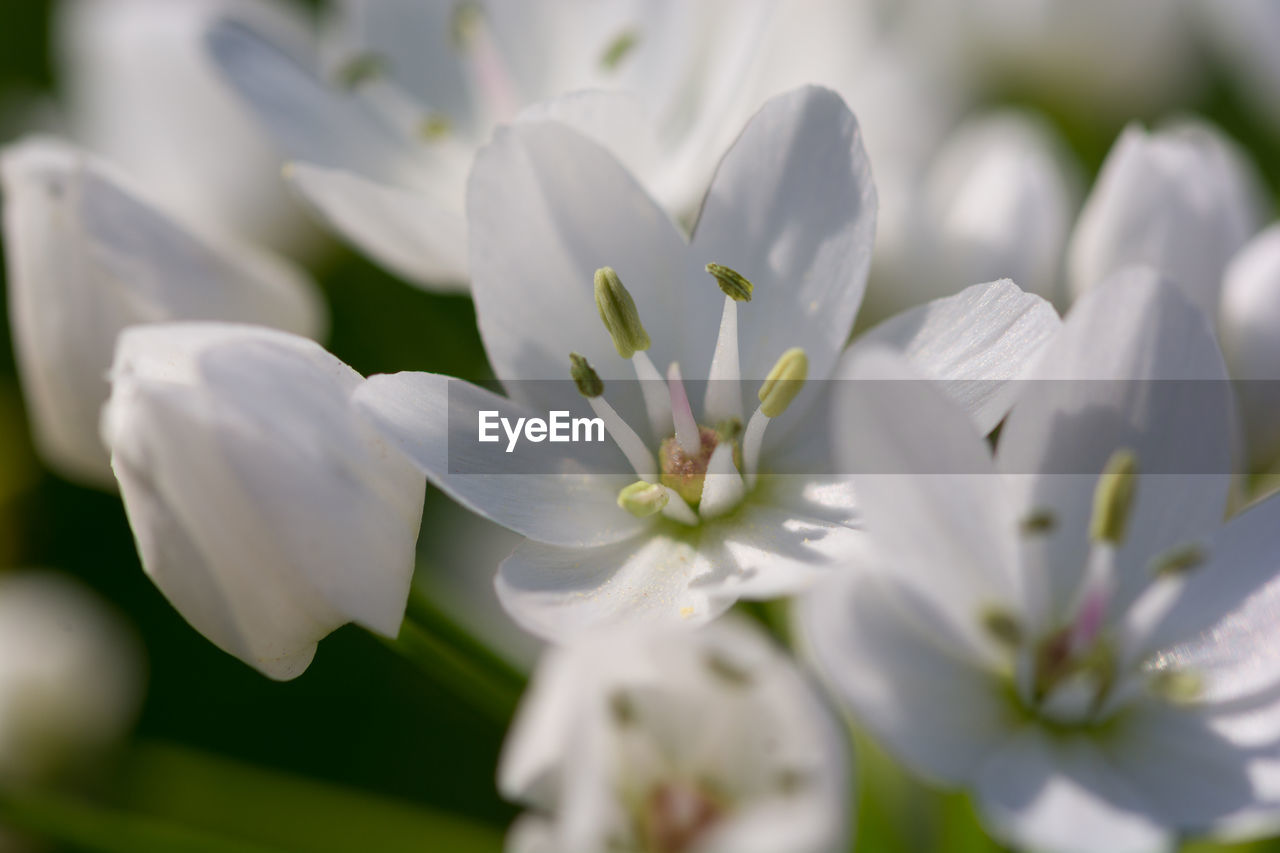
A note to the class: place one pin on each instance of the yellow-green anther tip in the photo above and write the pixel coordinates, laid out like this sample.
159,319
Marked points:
587,380
618,311
643,499
732,282
360,69
618,49
784,382
1113,498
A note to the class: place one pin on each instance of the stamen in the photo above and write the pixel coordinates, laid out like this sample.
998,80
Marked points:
643,499
724,395
631,445
618,49
781,387
687,434
1095,598
1113,498
677,510
618,311
471,37
657,402
360,69
722,487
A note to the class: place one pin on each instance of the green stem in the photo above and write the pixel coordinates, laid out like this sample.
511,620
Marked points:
447,654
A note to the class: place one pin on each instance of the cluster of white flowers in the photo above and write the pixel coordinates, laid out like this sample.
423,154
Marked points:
1022,544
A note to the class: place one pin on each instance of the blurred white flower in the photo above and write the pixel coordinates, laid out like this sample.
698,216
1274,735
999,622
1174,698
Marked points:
687,741
1093,655
998,202
1182,200
140,90
265,507
714,511
1249,325
71,675
87,255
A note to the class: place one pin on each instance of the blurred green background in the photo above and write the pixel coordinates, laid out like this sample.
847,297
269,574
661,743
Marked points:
361,717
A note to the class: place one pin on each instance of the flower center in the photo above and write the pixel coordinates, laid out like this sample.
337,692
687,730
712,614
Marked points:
676,815
700,472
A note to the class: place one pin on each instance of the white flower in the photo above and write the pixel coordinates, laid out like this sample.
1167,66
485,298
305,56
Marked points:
1092,654
383,152
997,203
791,209
265,508
88,255
70,675
140,91
1182,200
1249,325
687,741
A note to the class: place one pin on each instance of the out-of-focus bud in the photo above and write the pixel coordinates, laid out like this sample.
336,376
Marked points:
707,740
998,204
141,90
71,676
265,508
1249,325
1182,200
87,256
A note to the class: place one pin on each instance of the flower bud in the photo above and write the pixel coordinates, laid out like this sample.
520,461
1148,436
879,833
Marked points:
87,256
1182,200
266,508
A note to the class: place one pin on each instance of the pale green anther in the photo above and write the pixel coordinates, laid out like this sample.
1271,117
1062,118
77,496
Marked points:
435,127
468,17
618,49
1039,522
587,380
360,69
1003,627
784,382
618,311
732,282
643,499
1179,686
729,429
1178,561
1113,498
727,671
623,708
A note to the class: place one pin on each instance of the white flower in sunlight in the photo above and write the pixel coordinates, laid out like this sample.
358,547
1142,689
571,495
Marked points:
87,255
998,202
1249,325
70,675
721,503
1069,629
383,150
140,91
686,741
1182,200
265,508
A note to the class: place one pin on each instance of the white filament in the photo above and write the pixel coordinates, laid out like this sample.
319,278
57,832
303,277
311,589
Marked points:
724,396
625,437
752,441
687,434
657,402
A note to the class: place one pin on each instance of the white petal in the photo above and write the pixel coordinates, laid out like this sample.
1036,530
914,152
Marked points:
1225,623
308,119
1100,387
140,90
1182,200
564,494
974,342
793,207
87,256
938,713
1193,778
927,491
1062,797
265,508
560,593
419,239
547,208
998,201
1249,323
